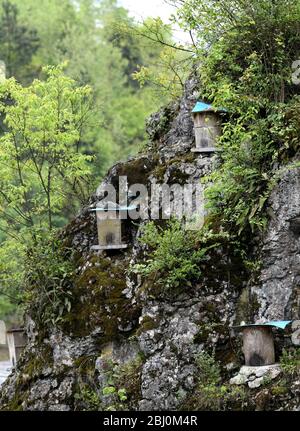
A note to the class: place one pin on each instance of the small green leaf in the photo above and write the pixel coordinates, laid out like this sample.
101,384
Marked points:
109,390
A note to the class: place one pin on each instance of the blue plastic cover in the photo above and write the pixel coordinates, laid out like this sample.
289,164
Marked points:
204,107
280,324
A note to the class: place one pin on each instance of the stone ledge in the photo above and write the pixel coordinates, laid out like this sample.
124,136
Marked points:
109,247
255,376
204,150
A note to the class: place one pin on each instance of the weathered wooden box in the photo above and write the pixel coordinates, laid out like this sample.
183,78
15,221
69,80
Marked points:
258,342
207,127
16,340
258,346
109,226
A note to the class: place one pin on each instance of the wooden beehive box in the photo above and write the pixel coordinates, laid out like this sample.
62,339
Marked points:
207,127
16,340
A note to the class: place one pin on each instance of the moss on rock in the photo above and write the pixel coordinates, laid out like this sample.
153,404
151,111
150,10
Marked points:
100,301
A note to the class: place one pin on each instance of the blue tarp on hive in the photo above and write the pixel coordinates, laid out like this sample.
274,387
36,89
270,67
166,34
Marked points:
280,324
204,107
201,107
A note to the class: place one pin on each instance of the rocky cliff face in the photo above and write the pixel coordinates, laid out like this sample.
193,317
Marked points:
121,335
278,290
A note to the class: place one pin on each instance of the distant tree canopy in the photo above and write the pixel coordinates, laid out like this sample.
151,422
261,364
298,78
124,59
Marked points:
18,43
87,35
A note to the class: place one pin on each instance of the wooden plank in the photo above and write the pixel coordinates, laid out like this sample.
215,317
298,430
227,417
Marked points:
258,346
2,333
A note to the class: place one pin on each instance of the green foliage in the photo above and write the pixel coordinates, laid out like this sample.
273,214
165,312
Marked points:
43,166
241,185
12,252
171,255
248,73
252,146
44,172
234,32
88,399
175,254
122,394
210,393
210,373
109,390
267,380
48,276
290,361
281,388
123,390
18,43
120,391
172,63
128,381
88,36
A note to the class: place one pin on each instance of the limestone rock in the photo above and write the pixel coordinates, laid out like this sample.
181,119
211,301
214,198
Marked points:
256,376
296,325
296,338
296,333
239,379
277,294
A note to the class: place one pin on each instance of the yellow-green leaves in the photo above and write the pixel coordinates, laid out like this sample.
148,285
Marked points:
42,165
44,174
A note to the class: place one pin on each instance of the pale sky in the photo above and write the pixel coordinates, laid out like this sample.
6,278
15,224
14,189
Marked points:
141,9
